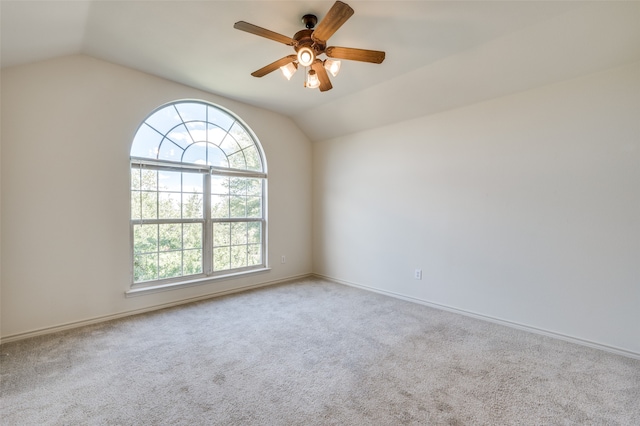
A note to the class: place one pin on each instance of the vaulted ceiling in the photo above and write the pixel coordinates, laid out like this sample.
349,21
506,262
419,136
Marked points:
439,54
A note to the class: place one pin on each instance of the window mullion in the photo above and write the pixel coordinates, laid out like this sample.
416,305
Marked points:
263,221
158,197
207,241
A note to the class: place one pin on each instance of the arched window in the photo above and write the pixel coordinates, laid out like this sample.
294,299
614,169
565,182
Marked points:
198,191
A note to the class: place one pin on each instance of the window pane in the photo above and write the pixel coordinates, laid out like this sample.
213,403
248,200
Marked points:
237,161
221,258
229,145
192,206
136,209
146,142
238,256
145,238
149,205
254,254
240,135
190,111
254,232
170,237
220,118
254,206
238,186
170,264
169,181
253,158
196,154
238,206
221,234
169,205
192,262
135,178
219,206
197,130
192,235
164,119
219,185
215,157
169,151
254,187
149,180
238,233
145,267
215,134
192,182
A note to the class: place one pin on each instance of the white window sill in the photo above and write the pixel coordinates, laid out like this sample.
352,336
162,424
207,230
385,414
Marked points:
139,291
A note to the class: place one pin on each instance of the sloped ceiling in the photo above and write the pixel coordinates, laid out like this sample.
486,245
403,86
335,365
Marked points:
440,54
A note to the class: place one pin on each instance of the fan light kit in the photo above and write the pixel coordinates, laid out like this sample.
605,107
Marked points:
306,56
309,44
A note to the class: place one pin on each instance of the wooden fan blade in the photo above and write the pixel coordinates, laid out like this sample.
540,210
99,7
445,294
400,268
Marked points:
321,72
337,15
349,53
274,66
262,32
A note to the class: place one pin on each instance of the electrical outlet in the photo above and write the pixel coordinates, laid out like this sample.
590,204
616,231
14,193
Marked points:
418,274
284,259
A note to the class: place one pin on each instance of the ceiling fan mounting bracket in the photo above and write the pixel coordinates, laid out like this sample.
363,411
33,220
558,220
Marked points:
309,21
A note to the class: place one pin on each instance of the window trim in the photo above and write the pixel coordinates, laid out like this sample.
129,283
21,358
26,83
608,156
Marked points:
138,291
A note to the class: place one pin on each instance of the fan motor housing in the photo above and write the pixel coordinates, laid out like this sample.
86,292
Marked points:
303,38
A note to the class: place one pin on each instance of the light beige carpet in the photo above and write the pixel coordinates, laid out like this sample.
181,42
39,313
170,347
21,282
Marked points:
312,353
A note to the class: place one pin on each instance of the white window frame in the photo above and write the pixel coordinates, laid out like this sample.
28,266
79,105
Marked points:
207,171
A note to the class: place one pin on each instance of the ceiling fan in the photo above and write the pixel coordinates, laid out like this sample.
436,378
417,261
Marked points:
311,43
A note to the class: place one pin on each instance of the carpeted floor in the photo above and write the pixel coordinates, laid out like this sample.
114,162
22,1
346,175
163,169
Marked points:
311,353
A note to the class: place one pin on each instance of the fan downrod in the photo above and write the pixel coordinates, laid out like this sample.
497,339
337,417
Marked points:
309,21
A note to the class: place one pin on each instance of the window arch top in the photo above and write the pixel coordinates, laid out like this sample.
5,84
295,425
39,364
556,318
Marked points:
196,132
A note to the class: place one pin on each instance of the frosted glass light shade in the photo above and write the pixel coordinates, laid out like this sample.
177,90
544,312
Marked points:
332,66
289,70
312,80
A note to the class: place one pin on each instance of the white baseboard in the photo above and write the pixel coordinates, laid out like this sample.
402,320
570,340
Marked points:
583,342
96,320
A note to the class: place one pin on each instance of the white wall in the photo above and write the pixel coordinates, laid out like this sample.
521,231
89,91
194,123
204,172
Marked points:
525,208
67,127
